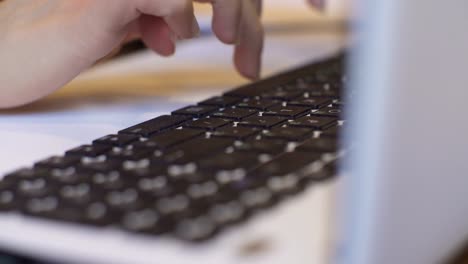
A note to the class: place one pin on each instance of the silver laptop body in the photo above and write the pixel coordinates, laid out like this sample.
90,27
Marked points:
406,191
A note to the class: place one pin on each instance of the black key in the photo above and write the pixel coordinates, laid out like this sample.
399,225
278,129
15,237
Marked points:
326,172
286,111
239,133
207,192
89,150
59,162
120,140
78,194
267,146
314,103
124,199
66,176
289,133
26,173
328,111
195,111
325,76
228,213
231,183
312,82
208,123
177,205
112,180
196,229
318,145
285,185
338,103
259,104
146,220
100,214
8,200
282,95
234,113
155,125
258,198
314,122
284,164
301,85
169,138
144,168
221,101
324,93
133,154
100,166
194,149
41,206
332,132
62,210
34,187
330,170
229,161
192,178
6,184
54,208
156,186
262,121
252,90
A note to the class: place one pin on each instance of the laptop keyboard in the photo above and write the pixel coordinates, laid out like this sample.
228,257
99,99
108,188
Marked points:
200,169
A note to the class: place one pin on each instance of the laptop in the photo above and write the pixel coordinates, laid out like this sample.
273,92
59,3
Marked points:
251,176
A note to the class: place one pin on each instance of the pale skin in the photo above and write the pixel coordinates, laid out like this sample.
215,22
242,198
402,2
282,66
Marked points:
44,44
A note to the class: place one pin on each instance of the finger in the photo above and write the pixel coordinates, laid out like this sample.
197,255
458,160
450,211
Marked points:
259,6
248,52
319,4
226,19
133,32
156,35
178,14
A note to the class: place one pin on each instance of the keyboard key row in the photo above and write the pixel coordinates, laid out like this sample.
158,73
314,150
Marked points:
202,168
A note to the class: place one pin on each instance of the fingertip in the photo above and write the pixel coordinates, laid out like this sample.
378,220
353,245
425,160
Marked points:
228,39
227,20
246,67
227,34
157,35
318,4
166,50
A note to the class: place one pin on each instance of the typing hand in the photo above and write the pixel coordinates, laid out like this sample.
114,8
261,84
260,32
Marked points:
46,43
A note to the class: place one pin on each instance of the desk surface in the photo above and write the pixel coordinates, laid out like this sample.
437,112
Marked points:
138,87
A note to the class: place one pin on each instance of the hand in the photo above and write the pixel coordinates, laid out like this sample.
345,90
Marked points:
46,43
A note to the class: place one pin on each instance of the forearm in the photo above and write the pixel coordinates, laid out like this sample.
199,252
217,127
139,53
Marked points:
37,54
28,72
